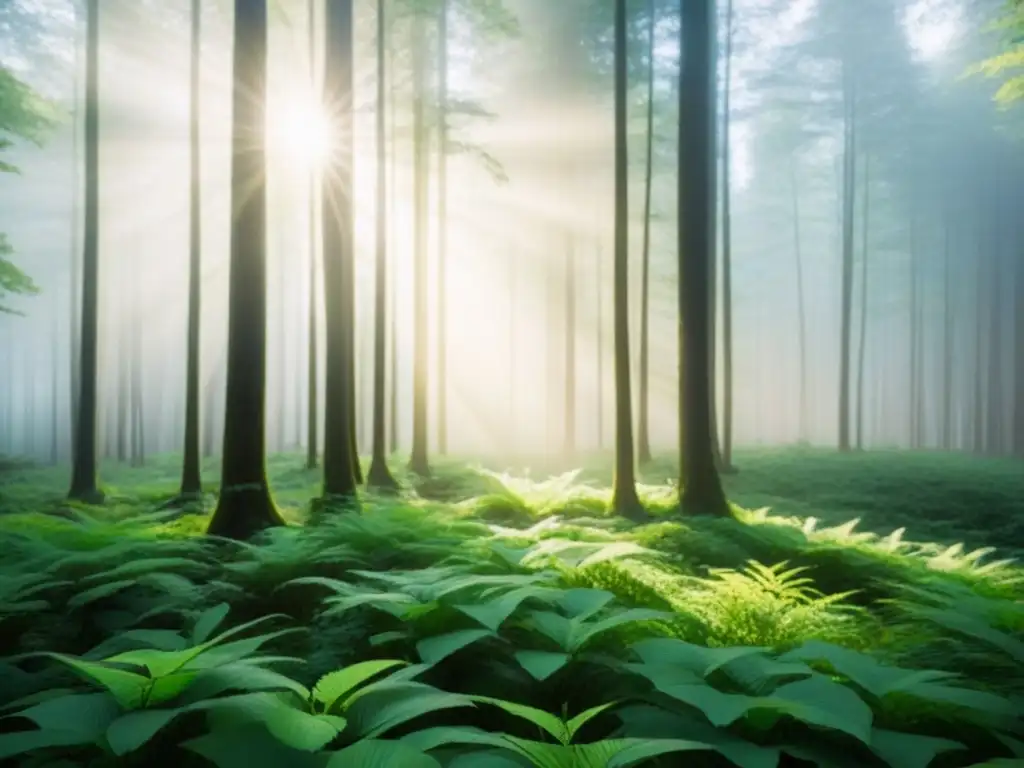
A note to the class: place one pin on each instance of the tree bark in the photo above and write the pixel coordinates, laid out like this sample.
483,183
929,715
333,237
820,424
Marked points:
848,188
699,483
727,336
862,337
442,230
84,486
642,431
244,506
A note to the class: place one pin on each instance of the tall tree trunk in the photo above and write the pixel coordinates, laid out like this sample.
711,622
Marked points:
138,442
980,303
801,310
418,461
513,435
338,259
84,485
379,476
442,230
75,275
699,483
315,212
122,414
643,437
392,197
862,336
913,396
600,349
625,501
849,186
947,337
191,478
245,505
569,447
727,346
996,411
54,382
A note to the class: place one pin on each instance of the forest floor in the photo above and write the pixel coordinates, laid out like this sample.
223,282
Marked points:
901,640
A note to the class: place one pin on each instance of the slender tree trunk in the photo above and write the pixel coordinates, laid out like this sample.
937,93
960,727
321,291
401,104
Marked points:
996,411
600,349
442,231
379,475
84,485
727,345
54,382
801,309
862,337
643,428
625,501
569,448
947,338
338,257
849,186
418,461
122,414
913,396
191,478
75,278
245,505
135,355
979,349
393,322
513,435
315,212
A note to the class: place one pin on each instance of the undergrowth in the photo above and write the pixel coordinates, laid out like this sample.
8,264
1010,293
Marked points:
503,622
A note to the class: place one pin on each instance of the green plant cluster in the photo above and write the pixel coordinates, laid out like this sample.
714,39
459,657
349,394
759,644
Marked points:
417,634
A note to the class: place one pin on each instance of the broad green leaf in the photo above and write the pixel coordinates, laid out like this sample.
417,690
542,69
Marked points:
214,653
544,720
251,747
584,717
487,759
875,678
554,626
372,753
169,687
908,750
242,676
581,603
134,729
136,568
379,600
614,551
494,613
392,707
432,738
542,664
433,650
696,658
127,688
286,722
334,686
630,752
208,622
821,701
80,718
587,632
162,639
382,638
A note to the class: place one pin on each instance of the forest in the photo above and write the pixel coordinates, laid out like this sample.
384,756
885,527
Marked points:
511,383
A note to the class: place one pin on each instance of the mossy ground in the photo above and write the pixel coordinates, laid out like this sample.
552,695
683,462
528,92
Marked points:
926,521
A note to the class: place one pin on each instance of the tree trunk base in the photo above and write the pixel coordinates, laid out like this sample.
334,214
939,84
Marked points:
242,513
419,466
703,501
92,496
728,469
380,479
626,503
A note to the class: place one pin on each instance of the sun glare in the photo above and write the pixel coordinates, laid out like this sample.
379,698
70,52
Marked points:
299,133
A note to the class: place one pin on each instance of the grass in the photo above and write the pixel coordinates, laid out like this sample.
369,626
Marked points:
489,618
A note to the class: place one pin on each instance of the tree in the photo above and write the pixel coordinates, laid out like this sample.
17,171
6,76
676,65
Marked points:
727,351
84,485
313,374
442,228
379,475
191,477
418,460
625,501
245,506
699,483
642,430
338,258
862,339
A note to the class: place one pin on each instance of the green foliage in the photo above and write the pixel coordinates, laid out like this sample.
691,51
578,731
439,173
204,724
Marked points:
418,634
1007,64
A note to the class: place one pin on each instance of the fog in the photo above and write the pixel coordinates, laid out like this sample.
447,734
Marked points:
937,307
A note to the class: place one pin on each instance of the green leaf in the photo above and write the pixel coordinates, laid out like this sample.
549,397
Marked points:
242,676
127,688
391,707
288,724
433,650
80,718
432,738
695,658
544,720
821,701
584,717
99,592
588,632
581,603
135,568
372,753
629,752
134,729
164,689
335,685
251,747
487,759
908,750
553,626
875,678
541,664
208,622
494,613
